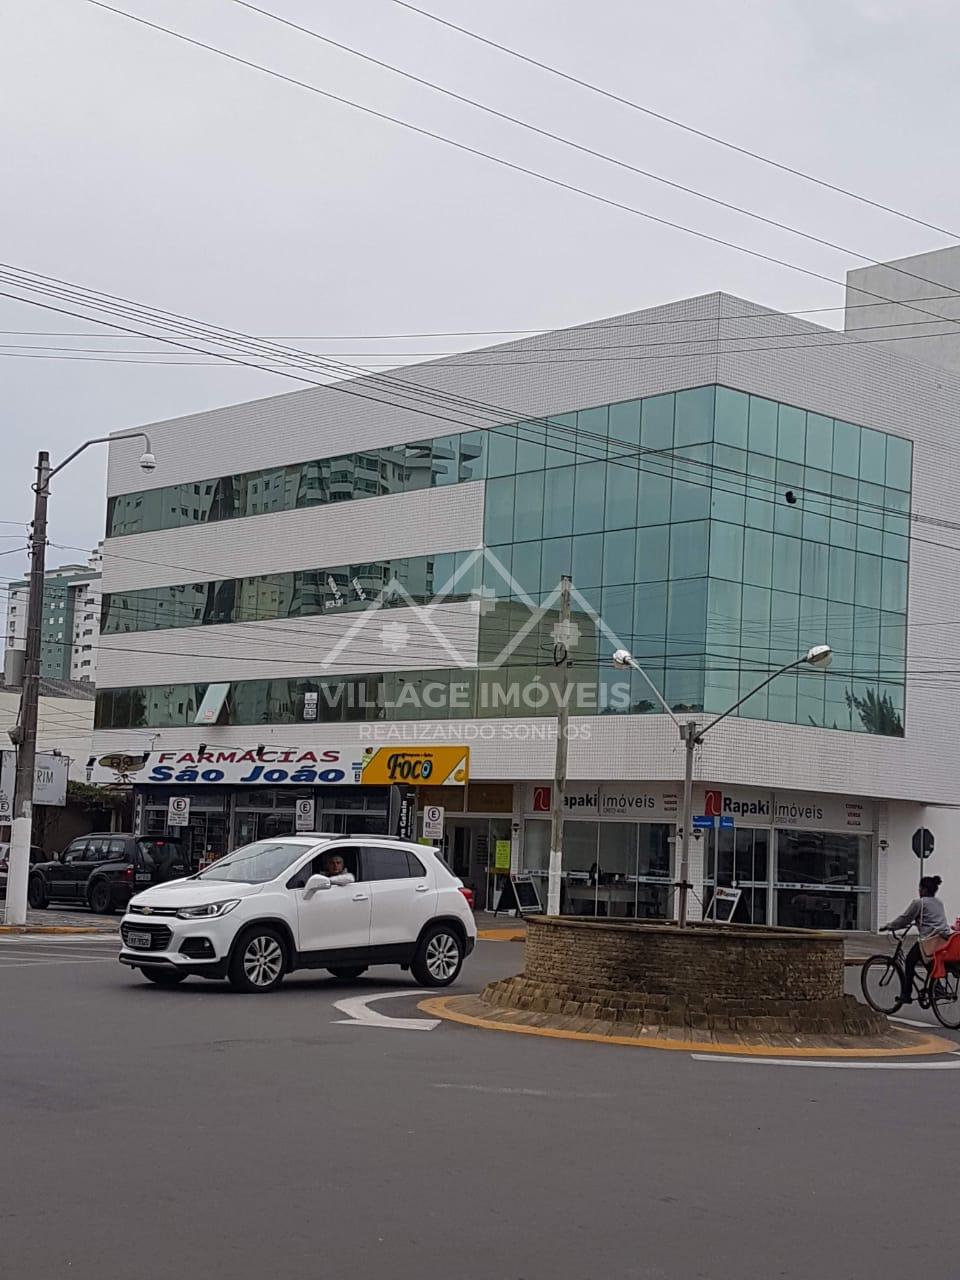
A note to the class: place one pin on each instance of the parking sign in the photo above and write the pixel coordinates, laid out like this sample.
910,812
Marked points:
178,811
305,820
433,822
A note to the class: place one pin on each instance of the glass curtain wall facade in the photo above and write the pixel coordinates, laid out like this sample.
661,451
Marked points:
718,535
714,533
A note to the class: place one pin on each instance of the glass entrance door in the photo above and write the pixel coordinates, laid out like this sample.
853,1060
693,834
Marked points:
739,858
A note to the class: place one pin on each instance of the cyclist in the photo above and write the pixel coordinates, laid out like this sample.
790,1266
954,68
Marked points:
927,913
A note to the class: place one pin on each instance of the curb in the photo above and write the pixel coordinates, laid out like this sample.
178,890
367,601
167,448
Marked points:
915,1044
500,935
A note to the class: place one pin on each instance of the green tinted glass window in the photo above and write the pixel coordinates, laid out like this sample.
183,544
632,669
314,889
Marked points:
557,560
846,449
620,499
624,428
501,451
558,502
689,544
898,463
588,560
791,433
588,496
726,550
757,557
693,423
656,422
762,427
652,554
619,549
730,417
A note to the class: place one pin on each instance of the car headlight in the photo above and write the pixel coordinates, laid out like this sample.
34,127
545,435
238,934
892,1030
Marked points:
208,910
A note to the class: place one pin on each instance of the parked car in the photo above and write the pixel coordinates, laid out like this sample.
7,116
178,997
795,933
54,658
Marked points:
268,908
104,870
36,855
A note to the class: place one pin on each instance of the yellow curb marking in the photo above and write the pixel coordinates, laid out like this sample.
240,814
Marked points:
442,1007
29,929
500,935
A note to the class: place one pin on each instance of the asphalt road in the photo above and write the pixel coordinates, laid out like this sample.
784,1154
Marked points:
152,1133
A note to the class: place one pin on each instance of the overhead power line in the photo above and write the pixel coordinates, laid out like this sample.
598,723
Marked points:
576,146
386,385
374,382
595,326
678,124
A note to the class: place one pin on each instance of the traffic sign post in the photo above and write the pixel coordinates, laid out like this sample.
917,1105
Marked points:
306,815
178,811
922,843
433,822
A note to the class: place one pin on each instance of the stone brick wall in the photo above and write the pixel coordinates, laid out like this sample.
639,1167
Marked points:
767,981
731,963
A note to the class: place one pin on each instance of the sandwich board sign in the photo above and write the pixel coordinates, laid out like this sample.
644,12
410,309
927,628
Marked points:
723,904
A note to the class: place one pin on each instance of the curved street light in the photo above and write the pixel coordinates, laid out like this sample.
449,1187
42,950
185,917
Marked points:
21,827
819,655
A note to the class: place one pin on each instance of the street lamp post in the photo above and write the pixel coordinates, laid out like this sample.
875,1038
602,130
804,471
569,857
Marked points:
817,656
25,734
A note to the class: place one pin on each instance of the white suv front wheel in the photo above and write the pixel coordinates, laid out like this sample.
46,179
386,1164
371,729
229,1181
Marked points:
439,956
259,960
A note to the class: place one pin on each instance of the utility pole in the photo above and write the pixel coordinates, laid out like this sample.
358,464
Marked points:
21,836
691,740
561,659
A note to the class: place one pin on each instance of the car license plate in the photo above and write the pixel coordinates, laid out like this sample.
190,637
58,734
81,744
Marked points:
138,940
142,877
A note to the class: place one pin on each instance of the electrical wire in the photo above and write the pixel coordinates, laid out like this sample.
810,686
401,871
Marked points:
568,142
560,355
598,326
458,400
677,124
554,426
486,155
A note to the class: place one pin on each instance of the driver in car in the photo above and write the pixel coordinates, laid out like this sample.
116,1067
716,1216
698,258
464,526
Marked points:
333,867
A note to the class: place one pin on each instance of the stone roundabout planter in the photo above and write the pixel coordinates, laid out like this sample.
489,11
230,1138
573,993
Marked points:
716,978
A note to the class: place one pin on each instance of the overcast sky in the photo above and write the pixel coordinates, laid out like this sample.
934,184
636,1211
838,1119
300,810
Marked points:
140,166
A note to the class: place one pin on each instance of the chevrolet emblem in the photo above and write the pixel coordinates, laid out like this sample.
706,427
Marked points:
147,911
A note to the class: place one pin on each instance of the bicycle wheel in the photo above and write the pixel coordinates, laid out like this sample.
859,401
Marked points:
945,1001
881,981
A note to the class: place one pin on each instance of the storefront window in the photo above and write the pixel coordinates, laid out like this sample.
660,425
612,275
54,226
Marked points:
824,880
617,870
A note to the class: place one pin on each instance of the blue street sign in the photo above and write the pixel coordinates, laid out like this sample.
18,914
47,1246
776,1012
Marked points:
726,821
703,822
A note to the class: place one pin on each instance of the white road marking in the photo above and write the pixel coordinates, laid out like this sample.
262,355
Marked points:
355,1007
951,1064
911,1022
37,964
523,1093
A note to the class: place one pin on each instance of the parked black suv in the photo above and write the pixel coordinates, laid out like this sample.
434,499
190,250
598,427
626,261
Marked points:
105,869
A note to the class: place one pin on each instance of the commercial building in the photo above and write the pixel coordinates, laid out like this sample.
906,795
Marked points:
319,596
70,623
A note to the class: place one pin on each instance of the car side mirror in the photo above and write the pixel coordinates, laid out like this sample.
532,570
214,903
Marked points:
316,882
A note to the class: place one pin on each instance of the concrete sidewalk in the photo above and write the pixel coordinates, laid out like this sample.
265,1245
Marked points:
62,920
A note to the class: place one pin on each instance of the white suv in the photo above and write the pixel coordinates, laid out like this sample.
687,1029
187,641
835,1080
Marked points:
269,908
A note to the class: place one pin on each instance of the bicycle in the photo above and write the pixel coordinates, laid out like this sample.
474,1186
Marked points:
881,980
